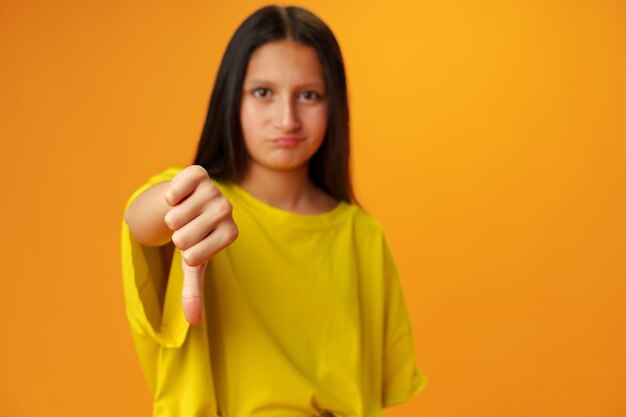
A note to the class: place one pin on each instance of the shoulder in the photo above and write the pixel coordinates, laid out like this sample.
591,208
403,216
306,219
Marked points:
161,176
365,225
166,174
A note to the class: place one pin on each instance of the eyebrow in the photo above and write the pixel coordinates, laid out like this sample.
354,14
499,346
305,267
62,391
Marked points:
317,84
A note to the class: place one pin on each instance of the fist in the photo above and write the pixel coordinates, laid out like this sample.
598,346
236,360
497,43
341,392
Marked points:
202,222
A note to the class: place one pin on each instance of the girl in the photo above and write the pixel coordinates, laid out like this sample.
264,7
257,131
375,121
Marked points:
303,310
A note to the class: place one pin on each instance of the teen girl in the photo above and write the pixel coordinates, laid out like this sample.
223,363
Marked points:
303,309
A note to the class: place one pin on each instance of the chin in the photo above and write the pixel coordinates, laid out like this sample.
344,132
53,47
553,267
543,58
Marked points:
283,165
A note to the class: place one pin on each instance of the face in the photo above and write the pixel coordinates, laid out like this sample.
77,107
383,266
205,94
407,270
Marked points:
284,112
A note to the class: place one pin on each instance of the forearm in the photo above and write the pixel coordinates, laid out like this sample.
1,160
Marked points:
145,216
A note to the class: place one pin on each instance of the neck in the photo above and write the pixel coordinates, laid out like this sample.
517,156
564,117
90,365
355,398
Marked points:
288,190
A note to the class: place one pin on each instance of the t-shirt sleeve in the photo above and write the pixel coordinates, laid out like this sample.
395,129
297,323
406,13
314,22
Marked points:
402,378
145,274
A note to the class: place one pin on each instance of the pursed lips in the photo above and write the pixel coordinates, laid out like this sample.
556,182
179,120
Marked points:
287,140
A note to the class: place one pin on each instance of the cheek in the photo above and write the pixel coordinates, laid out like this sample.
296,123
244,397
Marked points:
320,122
245,116
250,119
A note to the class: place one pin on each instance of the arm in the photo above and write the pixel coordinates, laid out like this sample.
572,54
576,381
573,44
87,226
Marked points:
193,208
146,216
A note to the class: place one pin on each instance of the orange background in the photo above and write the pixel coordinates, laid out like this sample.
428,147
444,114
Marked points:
489,140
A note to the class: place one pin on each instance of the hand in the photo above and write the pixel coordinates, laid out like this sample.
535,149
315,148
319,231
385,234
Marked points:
202,222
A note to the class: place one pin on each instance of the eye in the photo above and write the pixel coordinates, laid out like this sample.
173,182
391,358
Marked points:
309,95
261,92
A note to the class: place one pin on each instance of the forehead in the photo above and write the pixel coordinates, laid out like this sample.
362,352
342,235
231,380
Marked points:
285,60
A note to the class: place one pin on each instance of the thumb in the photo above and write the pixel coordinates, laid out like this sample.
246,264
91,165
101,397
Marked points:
192,291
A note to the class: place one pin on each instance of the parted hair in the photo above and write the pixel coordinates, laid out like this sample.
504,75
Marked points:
221,150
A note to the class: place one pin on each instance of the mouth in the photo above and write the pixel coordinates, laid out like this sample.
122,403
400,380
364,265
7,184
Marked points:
287,141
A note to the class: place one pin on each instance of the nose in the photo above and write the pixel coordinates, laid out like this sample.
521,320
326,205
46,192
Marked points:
287,118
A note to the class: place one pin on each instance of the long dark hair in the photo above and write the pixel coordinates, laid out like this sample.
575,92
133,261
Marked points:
221,150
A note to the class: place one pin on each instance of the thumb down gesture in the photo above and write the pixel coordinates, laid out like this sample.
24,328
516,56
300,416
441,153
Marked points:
202,222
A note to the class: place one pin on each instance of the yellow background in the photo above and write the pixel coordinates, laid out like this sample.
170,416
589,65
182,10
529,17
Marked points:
489,140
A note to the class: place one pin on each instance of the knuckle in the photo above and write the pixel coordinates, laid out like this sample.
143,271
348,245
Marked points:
234,233
229,207
226,208
190,258
204,197
170,221
194,257
231,234
198,171
170,195
180,241
209,189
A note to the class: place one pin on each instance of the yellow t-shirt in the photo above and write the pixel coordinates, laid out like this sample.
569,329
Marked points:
303,315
